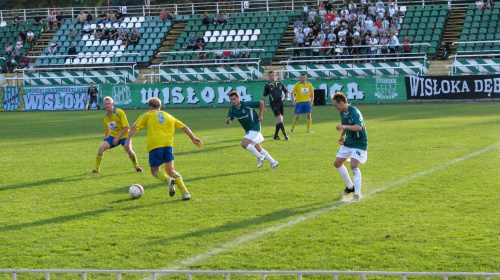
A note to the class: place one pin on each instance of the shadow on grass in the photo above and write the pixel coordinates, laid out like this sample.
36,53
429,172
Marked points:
270,217
74,178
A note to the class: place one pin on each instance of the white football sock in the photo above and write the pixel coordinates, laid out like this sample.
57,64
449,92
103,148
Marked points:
254,151
267,155
345,175
356,175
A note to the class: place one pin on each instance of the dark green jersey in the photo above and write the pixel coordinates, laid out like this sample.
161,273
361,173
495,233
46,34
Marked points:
274,90
92,91
354,139
246,115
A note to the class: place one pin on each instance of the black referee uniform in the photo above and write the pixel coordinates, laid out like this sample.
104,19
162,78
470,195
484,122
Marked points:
274,91
92,96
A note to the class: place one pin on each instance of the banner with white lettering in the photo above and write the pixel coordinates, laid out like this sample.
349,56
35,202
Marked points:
357,90
45,98
453,87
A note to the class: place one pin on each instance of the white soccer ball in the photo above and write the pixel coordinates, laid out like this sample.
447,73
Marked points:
136,191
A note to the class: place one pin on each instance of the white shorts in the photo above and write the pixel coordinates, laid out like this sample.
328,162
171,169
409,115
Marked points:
348,153
255,136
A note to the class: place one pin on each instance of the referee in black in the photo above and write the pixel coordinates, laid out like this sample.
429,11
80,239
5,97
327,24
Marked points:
274,90
92,96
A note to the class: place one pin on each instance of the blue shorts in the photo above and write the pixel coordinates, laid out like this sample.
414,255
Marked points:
161,155
110,139
302,108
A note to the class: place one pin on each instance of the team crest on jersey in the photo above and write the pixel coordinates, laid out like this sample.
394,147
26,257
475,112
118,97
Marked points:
386,88
121,95
243,111
12,99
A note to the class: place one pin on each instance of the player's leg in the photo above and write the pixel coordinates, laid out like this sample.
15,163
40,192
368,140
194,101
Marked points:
280,123
156,158
356,176
342,155
131,155
169,168
100,154
309,122
249,142
294,123
274,163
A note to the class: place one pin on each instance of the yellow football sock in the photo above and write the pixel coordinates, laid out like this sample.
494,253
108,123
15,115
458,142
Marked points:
294,123
309,123
98,160
180,183
162,176
134,160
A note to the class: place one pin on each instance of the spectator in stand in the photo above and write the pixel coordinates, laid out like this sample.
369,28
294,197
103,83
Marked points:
103,18
327,47
59,20
373,42
8,49
227,54
192,45
329,17
312,14
322,12
12,64
235,54
72,50
113,34
87,28
124,38
51,19
245,53
315,45
307,44
200,41
111,17
300,36
119,15
22,34
489,4
19,43
171,15
479,4
445,49
329,6
392,10
16,21
133,39
384,42
305,12
394,44
222,19
17,55
30,36
37,20
25,61
202,54
206,19
106,34
379,4
97,35
163,15
134,29
218,55
295,46
73,34
406,45
53,47
297,24
90,18
214,19
81,18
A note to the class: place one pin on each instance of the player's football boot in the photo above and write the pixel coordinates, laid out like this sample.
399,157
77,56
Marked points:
261,161
346,192
138,169
274,165
276,137
291,130
355,198
286,138
95,171
171,187
310,131
186,196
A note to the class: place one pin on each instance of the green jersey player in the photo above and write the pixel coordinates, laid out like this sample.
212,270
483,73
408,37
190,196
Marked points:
244,112
354,146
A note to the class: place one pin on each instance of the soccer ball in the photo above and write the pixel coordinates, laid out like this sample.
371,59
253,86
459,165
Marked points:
136,191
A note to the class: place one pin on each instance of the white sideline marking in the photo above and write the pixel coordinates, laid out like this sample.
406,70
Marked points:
311,215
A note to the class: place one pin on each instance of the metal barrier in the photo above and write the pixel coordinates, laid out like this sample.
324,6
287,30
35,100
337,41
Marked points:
473,55
155,274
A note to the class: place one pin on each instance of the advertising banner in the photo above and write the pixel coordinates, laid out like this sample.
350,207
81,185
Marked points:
44,98
358,90
453,87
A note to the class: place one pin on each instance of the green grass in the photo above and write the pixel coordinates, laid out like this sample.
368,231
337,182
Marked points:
429,204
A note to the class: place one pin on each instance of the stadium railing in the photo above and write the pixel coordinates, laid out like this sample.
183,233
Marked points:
189,274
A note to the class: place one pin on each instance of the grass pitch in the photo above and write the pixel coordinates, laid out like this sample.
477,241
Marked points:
431,189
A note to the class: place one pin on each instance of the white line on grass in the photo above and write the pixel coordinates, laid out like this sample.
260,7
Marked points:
258,234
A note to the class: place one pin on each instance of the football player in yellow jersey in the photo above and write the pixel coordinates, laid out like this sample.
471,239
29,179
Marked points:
161,128
303,97
116,128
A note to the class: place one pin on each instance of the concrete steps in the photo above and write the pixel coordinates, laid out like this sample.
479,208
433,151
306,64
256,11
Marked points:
438,67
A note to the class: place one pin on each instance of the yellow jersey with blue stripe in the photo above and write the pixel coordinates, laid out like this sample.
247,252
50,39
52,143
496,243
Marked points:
303,92
161,128
116,122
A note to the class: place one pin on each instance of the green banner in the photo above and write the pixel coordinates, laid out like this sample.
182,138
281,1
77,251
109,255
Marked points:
358,90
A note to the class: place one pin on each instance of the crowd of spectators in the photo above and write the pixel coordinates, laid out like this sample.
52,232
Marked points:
366,30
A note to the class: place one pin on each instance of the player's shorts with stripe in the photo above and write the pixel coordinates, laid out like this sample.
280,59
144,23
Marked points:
348,153
277,108
303,108
255,136
161,155
110,139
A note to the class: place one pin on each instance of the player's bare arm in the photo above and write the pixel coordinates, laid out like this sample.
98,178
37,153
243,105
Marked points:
195,140
261,110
